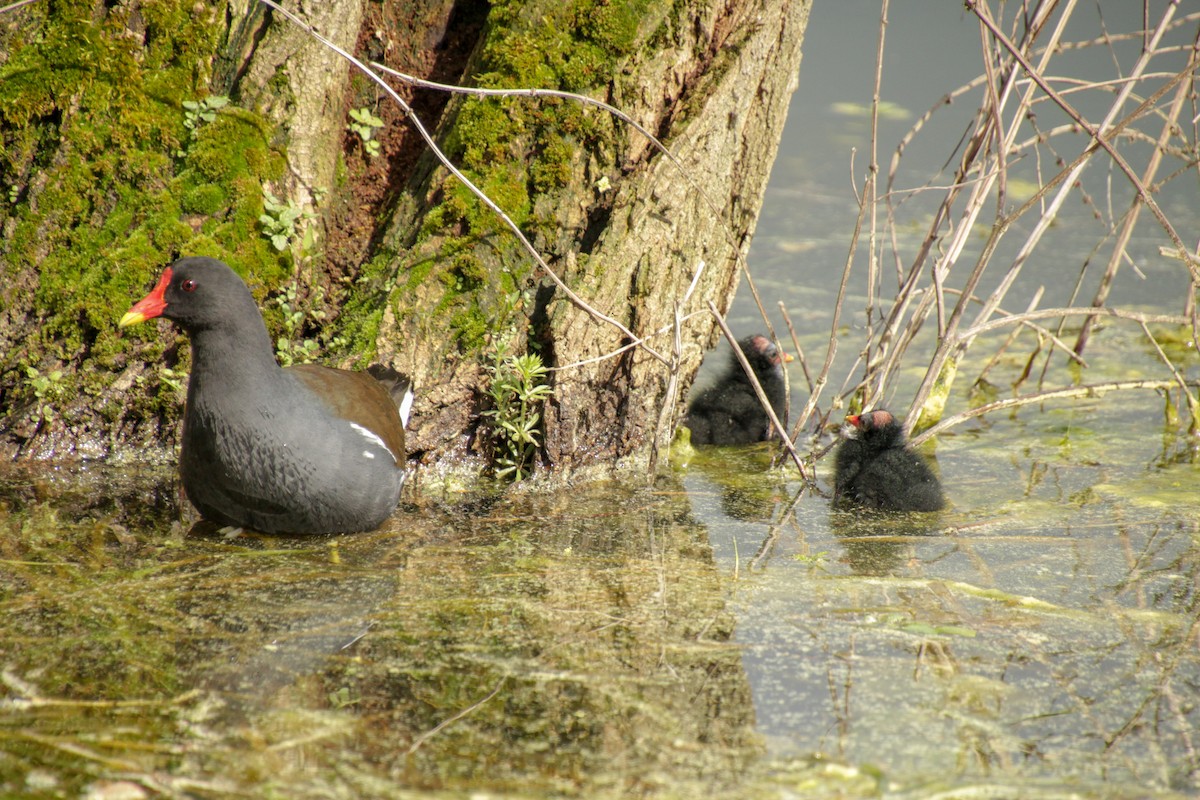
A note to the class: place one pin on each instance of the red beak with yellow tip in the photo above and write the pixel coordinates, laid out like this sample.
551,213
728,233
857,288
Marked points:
150,306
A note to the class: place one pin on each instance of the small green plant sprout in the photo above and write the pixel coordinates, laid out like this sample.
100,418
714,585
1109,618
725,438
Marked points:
517,391
279,220
342,698
198,112
288,348
172,378
47,388
364,123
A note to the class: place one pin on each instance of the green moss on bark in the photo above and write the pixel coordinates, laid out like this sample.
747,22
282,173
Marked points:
109,184
520,152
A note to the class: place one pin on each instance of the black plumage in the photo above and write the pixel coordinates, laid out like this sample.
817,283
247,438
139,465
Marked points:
729,412
306,449
876,468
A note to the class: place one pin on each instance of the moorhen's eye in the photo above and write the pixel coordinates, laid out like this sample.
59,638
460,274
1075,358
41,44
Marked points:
189,285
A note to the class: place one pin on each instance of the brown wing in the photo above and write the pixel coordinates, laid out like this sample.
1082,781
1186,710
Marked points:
358,398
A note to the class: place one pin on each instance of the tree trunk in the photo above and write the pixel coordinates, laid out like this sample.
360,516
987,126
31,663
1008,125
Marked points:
112,175
662,228
626,231
297,83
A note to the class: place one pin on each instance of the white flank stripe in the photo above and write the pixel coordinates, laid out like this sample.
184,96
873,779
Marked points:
373,439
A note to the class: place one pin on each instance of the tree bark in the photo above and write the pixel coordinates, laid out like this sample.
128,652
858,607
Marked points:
297,83
717,95
662,229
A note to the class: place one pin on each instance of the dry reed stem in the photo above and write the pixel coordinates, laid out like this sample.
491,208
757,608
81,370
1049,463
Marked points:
818,386
870,190
441,726
1069,392
1193,407
800,357
951,342
1130,221
1099,133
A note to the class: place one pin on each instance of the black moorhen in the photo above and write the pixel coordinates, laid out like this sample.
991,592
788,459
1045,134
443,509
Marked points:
728,412
875,467
307,449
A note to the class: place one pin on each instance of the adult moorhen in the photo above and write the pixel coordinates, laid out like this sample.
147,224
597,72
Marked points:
728,412
874,467
307,449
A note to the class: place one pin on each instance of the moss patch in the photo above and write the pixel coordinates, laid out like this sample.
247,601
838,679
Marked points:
521,152
110,184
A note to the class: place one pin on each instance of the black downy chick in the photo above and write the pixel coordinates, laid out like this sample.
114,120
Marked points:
728,412
875,468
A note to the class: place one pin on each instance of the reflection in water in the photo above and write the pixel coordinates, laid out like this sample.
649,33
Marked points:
992,644
877,542
546,643
609,640
749,488
603,656
282,624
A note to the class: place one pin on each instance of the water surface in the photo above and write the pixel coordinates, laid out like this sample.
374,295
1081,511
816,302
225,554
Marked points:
717,631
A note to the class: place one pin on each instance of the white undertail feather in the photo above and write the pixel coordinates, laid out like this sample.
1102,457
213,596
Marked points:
406,407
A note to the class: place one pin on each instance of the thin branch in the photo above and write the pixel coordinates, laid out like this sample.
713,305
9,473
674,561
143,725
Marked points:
1170,126
1193,406
800,357
636,342
1103,311
831,349
15,6
1099,133
441,726
950,343
578,301
1070,392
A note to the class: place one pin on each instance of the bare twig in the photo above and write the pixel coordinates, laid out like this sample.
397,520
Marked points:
1193,406
870,190
578,301
441,726
1170,126
15,6
1099,133
1044,313
1070,392
952,343
667,413
800,357
831,349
